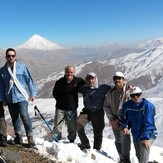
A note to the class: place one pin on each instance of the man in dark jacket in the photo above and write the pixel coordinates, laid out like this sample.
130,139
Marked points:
66,95
93,98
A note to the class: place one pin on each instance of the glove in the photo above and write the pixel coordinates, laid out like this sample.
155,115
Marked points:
70,115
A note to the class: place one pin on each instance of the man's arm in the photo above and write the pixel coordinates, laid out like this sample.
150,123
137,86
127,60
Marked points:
31,84
107,107
55,90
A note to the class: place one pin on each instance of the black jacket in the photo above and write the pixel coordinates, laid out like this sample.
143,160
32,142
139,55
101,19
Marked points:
66,94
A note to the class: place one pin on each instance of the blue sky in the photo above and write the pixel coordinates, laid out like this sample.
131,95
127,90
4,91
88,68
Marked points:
80,22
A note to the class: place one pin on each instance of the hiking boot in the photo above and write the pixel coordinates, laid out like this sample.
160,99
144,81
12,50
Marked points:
18,139
3,141
125,161
84,146
97,147
71,141
31,141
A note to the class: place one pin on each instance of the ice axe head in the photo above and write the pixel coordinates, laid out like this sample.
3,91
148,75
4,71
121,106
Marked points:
35,107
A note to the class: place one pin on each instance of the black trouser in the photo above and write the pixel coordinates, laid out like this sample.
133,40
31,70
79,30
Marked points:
1,110
3,126
97,120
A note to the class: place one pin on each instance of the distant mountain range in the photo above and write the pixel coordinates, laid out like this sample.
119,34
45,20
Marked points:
143,69
142,64
44,57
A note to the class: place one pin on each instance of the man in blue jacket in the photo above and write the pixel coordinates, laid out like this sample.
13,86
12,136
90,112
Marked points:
16,79
138,116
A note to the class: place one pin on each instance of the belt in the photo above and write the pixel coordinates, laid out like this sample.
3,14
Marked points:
65,109
93,110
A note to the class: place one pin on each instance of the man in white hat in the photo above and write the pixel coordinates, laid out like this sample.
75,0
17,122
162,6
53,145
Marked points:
137,115
114,100
93,96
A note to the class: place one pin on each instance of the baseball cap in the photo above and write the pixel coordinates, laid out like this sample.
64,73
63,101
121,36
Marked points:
118,73
91,74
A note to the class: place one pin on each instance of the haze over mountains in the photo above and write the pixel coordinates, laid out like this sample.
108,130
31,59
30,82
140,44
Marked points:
44,62
142,64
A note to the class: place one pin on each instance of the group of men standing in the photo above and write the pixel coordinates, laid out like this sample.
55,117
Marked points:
123,105
97,99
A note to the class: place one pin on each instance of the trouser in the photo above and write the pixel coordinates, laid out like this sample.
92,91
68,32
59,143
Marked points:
71,124
97,120
123,144
142,153
17,111
3,126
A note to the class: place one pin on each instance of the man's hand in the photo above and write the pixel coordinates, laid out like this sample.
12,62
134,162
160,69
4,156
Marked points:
70,115
125,131
114,123
128,87
4,103
32,98
147,144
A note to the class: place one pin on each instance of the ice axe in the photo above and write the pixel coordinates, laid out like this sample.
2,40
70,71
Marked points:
57,124
51,131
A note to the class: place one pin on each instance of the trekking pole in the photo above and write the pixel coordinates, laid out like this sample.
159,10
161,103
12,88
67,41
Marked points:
57,125
52,132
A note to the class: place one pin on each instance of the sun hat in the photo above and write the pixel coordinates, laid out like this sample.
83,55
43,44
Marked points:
135,90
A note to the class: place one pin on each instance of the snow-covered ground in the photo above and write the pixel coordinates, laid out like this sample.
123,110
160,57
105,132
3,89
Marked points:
69,152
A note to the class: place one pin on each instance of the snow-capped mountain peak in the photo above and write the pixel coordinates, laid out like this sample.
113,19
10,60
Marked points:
150,44
39,43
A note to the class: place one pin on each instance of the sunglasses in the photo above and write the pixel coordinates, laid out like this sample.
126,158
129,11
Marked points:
10,56
136,94
117,78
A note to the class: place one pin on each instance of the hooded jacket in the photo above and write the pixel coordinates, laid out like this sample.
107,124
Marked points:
140,118
93,97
